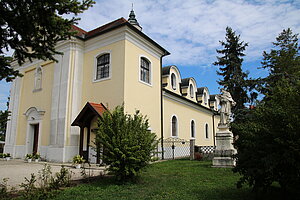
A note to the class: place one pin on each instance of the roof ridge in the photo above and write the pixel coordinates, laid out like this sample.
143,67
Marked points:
94,31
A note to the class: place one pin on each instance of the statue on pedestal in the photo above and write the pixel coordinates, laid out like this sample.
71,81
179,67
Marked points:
224,138
226,103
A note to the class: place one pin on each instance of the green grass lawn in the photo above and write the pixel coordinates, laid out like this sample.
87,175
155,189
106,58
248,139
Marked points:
175,179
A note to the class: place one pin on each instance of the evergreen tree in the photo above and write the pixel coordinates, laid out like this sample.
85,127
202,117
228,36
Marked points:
231,68
3,121
269,139
32,29
282,61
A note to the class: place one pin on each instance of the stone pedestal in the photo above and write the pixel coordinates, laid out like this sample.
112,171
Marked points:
224,148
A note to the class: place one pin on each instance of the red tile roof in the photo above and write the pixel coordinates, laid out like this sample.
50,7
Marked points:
106,27
85,35
88,112
100,108
79,30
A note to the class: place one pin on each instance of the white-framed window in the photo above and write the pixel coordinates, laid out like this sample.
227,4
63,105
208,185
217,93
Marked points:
145,70
193,129
206,131
173,81
174,126
103,66
192,91
38,79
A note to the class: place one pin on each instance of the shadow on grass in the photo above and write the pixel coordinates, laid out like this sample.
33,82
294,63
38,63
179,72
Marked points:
178,179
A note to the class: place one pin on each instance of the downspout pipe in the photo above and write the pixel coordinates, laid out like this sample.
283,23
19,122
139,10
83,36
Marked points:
161,107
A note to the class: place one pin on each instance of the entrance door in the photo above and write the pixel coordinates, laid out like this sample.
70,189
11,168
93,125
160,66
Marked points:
35,138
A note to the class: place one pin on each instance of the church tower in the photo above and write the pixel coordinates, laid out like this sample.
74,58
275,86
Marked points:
132,20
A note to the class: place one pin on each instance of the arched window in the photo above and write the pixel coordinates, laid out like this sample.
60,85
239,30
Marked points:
205,98
174,126
191,91
103,63
192,129
145,70
38,79
173,81
206,131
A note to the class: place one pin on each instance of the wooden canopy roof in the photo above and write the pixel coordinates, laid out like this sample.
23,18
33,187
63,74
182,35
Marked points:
89,111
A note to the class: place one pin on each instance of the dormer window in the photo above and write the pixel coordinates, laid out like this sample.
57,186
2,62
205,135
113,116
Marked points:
205,98
145,70
192,91
173,81
103,65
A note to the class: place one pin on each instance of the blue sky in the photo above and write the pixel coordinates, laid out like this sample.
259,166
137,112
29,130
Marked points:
191,29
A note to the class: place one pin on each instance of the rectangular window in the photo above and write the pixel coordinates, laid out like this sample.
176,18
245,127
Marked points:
103,66
145,70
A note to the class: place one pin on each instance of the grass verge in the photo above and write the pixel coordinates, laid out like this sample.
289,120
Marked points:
175,179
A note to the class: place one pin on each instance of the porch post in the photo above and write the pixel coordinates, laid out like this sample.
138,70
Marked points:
88,141
81,140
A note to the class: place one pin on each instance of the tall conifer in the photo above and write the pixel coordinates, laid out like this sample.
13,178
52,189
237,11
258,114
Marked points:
231,67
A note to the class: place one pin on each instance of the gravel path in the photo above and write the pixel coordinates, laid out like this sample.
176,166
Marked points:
16,170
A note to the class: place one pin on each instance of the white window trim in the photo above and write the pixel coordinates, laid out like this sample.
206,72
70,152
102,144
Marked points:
150,70
207,131
194,129
95,66
177,128
192,94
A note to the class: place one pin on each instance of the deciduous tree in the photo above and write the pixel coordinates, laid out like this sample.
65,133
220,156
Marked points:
269,139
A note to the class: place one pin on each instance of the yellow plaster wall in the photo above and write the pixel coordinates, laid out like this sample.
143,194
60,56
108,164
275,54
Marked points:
138,95
184,116
109,92
40,99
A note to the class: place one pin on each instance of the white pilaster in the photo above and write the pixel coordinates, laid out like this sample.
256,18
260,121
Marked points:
11,127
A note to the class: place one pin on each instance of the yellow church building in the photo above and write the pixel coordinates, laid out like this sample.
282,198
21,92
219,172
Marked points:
55,105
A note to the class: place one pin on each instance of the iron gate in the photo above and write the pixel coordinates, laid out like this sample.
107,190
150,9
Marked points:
174,148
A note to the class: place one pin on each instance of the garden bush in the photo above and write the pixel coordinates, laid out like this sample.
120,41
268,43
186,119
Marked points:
125,142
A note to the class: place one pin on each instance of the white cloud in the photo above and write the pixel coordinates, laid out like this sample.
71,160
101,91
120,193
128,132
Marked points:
191,29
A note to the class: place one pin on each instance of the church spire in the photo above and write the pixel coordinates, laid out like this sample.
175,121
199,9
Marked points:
132,20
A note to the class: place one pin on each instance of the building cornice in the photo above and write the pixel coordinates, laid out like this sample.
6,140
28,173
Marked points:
182,100
61,46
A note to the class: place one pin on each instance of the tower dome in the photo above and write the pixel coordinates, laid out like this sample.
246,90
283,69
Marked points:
132,20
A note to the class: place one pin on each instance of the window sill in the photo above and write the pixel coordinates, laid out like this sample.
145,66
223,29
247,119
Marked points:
102,79
148,84
37,90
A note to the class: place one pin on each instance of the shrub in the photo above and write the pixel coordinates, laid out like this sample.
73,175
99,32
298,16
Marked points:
36,156
4,188
126,142
29,188
61,179
44,176
78,159
28,156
